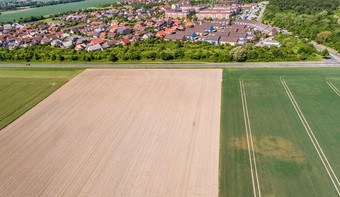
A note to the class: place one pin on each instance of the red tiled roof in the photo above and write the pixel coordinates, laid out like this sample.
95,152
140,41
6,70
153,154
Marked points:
161,33
126,41
97,41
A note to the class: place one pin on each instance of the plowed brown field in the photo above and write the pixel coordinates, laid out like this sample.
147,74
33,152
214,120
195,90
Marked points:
118,133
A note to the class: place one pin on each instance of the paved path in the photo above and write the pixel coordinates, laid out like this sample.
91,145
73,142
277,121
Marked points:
261,12
332,53
216,65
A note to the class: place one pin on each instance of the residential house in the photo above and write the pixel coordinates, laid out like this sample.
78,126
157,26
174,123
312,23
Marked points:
169,31
190,33
125,42
160,33
240,35
67,44
45,41
83,41
56,43
148,35
64,35
80,47
109,44
229,40
212,38
97,41
96,34
177,36
122,30
112,35
95,47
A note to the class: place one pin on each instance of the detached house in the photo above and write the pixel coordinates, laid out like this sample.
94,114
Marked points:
95,47
97,41
122,30
125,42
67,44
148,35
160,33
56,43
45,40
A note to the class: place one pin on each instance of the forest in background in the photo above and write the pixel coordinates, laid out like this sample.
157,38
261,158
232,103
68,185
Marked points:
316,20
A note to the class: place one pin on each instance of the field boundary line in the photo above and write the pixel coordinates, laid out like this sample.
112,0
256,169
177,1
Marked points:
313,139
330,84
249,142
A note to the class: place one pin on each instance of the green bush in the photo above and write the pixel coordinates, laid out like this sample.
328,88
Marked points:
166,56
112,58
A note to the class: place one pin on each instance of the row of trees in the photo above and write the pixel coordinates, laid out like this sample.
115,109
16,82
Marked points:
160,50
311,19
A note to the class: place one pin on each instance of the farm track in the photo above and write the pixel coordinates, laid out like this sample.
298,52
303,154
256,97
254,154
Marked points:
118,133
331,85
312,137
252,158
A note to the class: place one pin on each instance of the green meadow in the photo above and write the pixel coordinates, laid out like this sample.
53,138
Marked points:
23,88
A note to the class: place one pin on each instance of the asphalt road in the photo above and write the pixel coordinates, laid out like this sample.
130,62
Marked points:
281,64
333,56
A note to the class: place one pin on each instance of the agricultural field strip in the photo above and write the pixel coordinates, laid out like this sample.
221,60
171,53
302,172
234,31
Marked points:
310,133
249,136
333,87
116,107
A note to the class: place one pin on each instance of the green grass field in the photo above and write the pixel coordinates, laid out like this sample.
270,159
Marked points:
287,162
22,88
54,9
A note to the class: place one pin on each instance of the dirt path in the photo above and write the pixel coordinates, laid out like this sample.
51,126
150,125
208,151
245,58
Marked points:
331,85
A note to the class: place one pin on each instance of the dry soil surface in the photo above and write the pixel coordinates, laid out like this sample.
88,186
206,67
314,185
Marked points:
118,133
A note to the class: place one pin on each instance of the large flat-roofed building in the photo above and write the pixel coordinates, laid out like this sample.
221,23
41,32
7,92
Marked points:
176,14
214,15
267,29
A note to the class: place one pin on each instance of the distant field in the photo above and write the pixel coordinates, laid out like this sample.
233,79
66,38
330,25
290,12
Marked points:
23,88
54,9
287,163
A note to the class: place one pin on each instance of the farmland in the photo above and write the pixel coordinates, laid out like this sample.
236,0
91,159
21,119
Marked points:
23,88
118,133
49,10
283,158
171,132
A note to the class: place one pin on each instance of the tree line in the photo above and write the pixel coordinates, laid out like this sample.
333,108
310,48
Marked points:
157,49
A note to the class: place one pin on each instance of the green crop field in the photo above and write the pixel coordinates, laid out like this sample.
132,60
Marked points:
23,88
287,163
53,9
